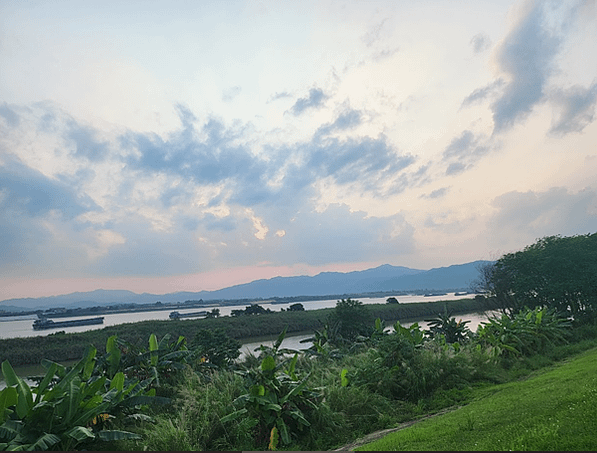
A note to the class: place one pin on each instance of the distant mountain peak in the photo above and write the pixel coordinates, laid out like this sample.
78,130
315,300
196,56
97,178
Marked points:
382,278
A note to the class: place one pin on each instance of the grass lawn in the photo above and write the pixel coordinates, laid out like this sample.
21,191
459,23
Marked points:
555,409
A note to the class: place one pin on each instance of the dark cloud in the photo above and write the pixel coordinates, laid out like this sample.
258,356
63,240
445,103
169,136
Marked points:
455,168
346,120
315,99
480,42
526,56
438,193
483,93
211,155
85,142
27,191
10,116
356,159
208,161
576,109
28,199
463,151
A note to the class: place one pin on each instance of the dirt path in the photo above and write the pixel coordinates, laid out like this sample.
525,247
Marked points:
379,434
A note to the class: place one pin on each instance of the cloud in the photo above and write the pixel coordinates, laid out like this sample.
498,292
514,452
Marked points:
194,199
576,107
31,204
463,151
231,93
373,34
10,116
315,99
438,193
523,217
280,95
322,237
85,142
525,56
346,120
28,192
480,42
480,94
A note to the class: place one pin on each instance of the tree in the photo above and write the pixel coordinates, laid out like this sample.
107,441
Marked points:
296,307
392,300
555,272
216,347
353,318
214,313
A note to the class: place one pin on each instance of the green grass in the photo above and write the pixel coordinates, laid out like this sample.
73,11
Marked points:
554,409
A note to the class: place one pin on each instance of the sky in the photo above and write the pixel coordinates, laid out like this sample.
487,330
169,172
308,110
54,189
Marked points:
161,146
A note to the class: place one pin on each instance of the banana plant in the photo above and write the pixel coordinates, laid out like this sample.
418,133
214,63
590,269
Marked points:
277,397
63,410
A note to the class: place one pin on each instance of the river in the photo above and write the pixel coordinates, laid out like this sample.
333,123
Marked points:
19,327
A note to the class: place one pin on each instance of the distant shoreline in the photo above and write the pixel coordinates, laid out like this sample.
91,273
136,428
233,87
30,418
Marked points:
165,306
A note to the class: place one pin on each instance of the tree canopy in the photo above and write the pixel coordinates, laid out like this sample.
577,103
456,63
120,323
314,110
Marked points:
556,272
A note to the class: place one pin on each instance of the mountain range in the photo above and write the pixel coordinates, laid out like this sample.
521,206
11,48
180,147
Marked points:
384,278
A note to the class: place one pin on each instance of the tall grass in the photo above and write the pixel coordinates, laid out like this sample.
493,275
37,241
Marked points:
553,410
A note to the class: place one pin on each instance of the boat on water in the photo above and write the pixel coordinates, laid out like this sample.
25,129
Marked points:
435,294
44,323
178,315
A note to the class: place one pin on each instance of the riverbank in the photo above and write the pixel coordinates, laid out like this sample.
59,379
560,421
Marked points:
62,346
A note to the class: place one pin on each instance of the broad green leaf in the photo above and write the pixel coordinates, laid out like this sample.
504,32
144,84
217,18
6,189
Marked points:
8,397
280,338
343,378
91,413
268,364
9,374
73,399
24,395
110,435
43,385
273,407
283,431
117,381
80,433
233,416
153,348
45,442
113,355
257,390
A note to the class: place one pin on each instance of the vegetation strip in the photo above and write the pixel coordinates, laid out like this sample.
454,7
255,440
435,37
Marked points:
553,410
62,347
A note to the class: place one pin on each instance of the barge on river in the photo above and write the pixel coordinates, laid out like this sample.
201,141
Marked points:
44,323
178,315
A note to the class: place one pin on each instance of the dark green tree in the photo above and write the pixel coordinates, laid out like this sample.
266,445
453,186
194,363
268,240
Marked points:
353,318
555,272
215,347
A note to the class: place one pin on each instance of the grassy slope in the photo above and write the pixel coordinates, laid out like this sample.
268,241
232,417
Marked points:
555,409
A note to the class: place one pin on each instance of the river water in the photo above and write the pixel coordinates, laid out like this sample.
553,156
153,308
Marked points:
22,326
13,327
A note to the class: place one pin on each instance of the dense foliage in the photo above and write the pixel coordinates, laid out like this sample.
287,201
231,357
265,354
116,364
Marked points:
555,272
72,407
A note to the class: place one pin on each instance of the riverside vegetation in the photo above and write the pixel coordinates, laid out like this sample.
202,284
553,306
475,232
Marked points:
357,377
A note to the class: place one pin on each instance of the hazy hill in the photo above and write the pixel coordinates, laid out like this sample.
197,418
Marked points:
382,278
